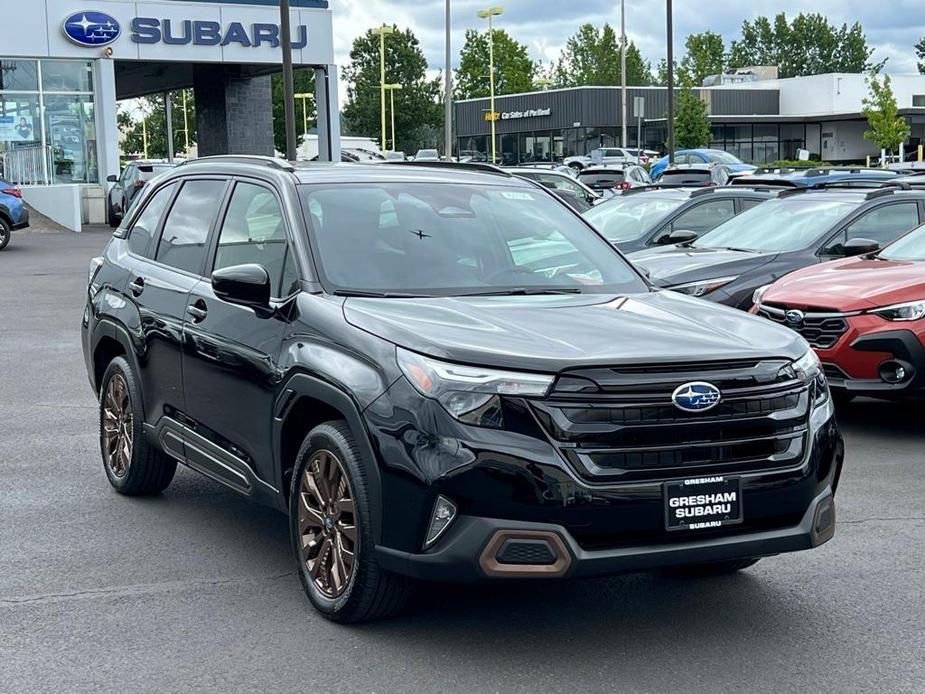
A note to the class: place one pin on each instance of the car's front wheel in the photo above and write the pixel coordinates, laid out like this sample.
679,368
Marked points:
332,534
133,466
5,233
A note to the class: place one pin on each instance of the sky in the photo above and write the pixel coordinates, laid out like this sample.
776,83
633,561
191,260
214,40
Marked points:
891,26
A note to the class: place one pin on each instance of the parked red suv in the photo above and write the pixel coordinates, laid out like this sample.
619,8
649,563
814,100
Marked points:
865,317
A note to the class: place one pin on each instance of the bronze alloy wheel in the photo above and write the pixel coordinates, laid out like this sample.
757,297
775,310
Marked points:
327,524
117,426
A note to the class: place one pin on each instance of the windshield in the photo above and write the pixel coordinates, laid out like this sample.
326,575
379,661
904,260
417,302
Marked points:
787,224
629,217
909,247
717,157
431,239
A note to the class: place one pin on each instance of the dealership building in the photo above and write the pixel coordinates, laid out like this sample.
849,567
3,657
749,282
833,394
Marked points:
65,63
758,120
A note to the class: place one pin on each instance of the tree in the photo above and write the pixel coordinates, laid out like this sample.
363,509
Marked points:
154,117
691,124
809,45
705,56
513,67
304,81
592,58
920,54
417,105
887,127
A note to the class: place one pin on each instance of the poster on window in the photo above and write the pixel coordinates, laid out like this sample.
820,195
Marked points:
17,129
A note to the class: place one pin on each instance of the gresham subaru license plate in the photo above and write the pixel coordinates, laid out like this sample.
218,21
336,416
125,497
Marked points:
703,502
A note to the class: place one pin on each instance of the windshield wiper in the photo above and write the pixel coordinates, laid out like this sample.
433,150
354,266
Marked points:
741,250
376,295
525,291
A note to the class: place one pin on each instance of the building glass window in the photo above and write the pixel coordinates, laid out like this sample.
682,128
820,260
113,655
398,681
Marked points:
507,149
574,142
67,75
19,75
475,147
71,137
766,147
791,140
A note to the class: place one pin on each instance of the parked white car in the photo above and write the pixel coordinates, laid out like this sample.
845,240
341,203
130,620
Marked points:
604,156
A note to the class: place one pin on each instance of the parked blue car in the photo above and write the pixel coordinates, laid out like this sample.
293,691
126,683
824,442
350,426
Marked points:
13,212
701,156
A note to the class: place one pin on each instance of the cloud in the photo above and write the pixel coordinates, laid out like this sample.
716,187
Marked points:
544,25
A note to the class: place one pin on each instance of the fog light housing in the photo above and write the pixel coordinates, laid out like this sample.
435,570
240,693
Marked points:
443,514
895,371
824,521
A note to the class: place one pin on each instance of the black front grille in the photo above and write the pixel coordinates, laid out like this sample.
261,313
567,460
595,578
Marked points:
821,328
621,423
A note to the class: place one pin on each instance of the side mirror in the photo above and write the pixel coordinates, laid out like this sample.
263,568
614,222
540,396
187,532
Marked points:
248,285
112,178
682,236
860,246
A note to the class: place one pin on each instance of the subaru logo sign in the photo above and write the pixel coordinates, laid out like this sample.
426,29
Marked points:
697,396
794,316
89,28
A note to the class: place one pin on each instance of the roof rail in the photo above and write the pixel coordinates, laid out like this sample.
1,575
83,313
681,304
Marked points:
653,186
464,166
757,187
877,183
242,159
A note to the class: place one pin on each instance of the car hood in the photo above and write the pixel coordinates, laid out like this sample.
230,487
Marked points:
552,333
672,265
852,284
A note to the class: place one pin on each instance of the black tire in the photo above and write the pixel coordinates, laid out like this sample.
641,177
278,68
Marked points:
5,233
717,568
370,591
148,470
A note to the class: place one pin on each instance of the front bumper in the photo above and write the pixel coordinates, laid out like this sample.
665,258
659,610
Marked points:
470,552
853,365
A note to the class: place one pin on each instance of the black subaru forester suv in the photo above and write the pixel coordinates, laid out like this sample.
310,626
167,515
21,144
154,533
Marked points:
444,373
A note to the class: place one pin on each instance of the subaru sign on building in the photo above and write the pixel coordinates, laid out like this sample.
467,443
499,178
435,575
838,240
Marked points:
64,65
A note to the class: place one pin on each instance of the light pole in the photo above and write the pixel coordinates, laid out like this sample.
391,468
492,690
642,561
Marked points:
670,86
304,96
448,97
185,125
623,70
488,14
392,89
382,32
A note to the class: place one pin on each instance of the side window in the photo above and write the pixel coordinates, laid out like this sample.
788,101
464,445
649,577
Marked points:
253,232
705,216
142,231
748,203
183,240
883,224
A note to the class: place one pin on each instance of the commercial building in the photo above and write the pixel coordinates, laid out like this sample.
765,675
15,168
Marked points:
759,121
65,63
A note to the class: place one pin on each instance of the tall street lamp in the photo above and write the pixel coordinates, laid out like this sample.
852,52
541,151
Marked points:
623,72
382,32
488,14
304,96
392,89
448,95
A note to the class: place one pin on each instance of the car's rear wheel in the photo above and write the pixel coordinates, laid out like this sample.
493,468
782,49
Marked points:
5,233
717,568
332,534
133,466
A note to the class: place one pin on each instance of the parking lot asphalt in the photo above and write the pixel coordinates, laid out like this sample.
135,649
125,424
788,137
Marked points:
196,590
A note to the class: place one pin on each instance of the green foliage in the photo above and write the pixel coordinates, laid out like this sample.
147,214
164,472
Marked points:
691,124
797,163
156,124
809,45
418,111
705,56
887,127
304,81
514,70
592,58
920,54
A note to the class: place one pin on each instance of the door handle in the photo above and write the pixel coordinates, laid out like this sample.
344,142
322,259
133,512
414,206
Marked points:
197,311
137,286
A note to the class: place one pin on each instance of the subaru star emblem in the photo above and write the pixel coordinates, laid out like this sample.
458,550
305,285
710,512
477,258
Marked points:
89,28
794,316
696,396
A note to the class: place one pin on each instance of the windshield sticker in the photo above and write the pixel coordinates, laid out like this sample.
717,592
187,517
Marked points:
515,195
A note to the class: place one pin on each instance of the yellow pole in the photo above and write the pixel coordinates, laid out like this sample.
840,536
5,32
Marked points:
185,124
304,118
920,152
491,81
144,134
392,104
382,81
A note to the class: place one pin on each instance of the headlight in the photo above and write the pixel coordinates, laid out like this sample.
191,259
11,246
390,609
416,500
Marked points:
911,310
471,394
808,368
702,287
756,297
